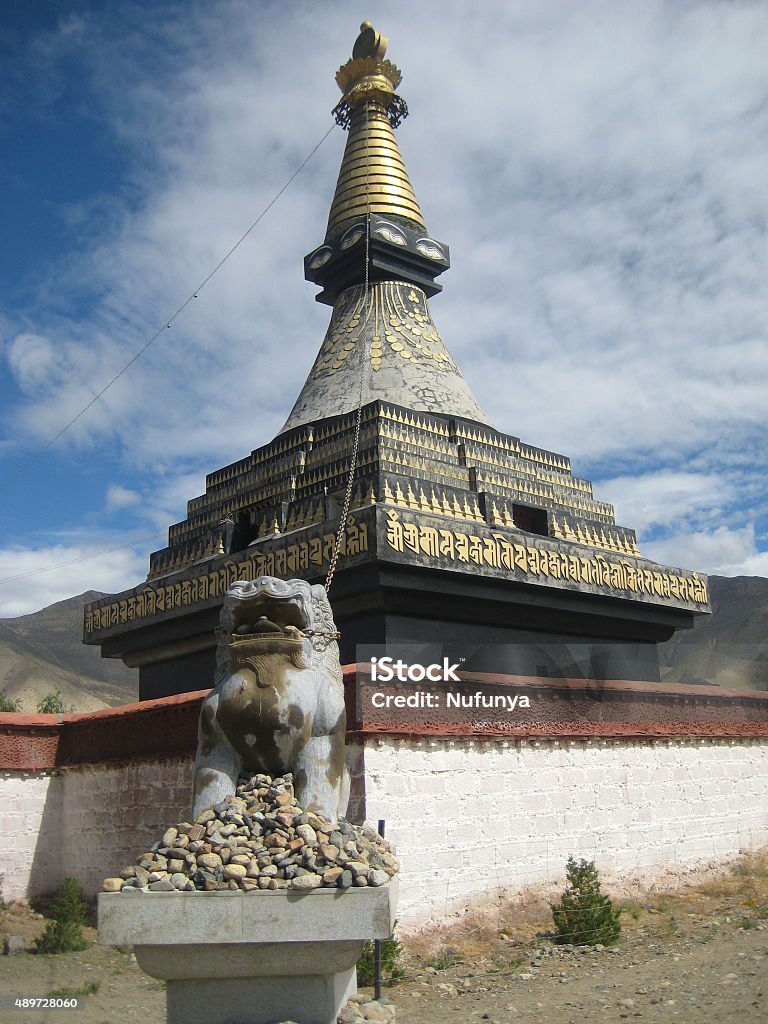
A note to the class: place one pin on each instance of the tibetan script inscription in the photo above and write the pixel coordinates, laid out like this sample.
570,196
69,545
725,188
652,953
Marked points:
528,561
287,561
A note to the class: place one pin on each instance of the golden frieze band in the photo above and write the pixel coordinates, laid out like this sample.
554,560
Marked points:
520,557
306,557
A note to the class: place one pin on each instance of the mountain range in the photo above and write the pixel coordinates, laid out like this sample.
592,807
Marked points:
43,652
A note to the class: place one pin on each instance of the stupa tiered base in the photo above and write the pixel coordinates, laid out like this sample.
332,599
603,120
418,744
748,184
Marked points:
252,957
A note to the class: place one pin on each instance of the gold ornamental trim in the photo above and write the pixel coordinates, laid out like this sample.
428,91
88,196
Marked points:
358,69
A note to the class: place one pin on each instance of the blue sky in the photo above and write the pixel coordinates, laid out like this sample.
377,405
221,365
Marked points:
598,169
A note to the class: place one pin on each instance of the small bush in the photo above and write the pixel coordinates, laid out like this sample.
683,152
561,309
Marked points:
584,916
444,958
52,704
391,971
64,932
90,988
6,704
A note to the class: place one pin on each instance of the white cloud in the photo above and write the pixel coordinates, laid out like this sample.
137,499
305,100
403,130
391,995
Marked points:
34,362
121,497
722,551
663,498
28,580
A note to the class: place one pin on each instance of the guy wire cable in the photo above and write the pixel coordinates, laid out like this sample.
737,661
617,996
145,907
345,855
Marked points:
167,324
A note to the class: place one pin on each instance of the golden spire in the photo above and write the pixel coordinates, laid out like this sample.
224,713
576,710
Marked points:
373,177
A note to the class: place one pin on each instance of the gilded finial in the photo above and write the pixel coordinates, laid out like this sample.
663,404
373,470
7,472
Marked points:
373,180
367,77
369,43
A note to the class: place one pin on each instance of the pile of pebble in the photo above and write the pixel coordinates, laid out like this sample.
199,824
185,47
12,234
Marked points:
260,839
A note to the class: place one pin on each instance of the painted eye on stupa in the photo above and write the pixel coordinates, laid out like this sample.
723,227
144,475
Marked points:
429,247
320,258
349,238
390,233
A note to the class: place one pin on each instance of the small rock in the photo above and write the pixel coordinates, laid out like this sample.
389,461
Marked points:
309,881
112,884
162,885
358,867
307,833
142,876
205,880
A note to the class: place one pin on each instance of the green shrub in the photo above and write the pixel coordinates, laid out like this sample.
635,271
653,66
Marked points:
52,704
6,704
584,916
64,932
391,971
90,988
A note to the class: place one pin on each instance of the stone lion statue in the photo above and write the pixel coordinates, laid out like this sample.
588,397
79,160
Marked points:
278,699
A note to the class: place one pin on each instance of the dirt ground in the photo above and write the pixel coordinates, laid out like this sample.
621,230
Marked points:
698,955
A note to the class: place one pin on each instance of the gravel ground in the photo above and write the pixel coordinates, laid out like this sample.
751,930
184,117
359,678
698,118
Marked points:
698,956
692,981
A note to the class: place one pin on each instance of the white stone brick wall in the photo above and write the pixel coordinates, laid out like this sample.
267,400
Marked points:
114,813
468,816
30,811
85,822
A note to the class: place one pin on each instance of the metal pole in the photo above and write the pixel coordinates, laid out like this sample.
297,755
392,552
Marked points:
377,945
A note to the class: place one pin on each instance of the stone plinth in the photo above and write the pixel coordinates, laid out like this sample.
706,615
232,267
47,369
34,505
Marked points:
254,958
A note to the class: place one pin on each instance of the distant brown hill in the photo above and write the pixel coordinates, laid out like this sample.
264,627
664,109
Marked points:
44,652
730,646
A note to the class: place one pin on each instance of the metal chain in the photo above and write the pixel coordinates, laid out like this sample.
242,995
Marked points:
363,365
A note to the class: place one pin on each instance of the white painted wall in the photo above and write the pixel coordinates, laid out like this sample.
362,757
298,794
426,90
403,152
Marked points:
472,815
467,816
85,822
30,808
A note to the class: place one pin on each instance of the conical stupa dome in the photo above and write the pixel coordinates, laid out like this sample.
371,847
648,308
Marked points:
377,266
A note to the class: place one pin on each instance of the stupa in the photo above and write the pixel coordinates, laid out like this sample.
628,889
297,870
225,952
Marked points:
444,528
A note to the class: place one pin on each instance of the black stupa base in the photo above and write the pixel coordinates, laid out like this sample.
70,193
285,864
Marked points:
493,625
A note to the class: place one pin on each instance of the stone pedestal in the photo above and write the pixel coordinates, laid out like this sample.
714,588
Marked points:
250,958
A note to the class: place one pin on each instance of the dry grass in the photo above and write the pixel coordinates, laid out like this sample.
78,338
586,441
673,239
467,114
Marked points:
503,929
